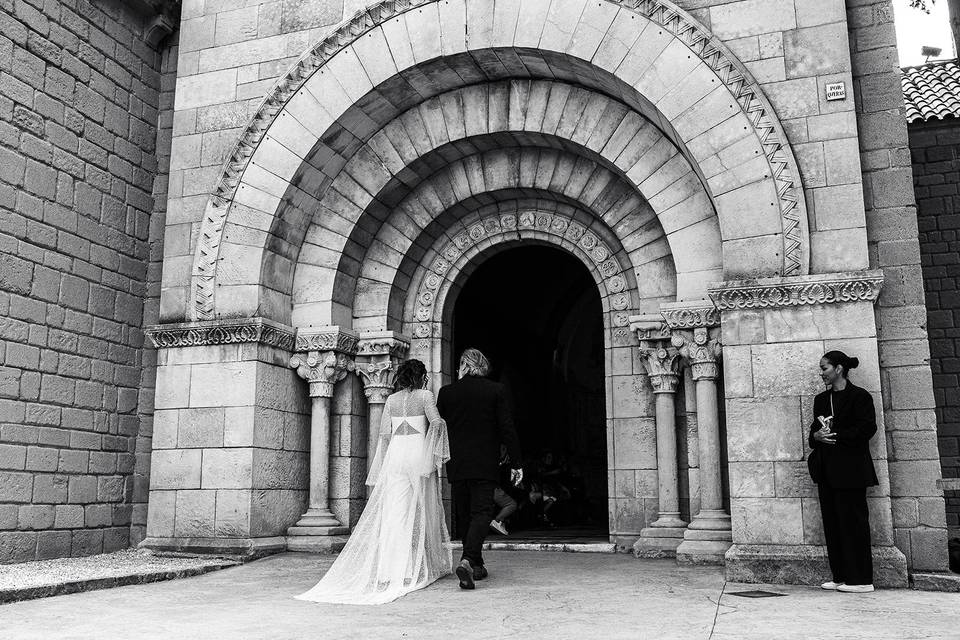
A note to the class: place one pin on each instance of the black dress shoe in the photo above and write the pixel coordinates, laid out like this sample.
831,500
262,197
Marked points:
465,573
479,573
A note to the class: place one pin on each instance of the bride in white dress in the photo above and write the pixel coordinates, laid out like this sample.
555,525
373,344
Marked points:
401,542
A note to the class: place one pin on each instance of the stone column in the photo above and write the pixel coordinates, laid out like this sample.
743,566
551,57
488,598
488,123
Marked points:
665,534
695,334
378,355
323,359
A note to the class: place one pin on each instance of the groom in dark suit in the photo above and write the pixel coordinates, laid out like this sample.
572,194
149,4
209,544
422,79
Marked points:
479,420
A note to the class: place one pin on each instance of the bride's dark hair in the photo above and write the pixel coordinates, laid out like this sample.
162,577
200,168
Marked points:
412,374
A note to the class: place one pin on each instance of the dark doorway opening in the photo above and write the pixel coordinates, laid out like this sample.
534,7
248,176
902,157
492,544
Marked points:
535,311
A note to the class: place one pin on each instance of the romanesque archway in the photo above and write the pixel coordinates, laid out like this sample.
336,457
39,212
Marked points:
340,94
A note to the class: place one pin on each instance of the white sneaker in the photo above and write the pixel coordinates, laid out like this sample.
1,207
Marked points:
831,586
498,526
855,588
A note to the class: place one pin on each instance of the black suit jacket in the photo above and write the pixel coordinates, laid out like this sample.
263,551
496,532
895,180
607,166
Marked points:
479,419
846,464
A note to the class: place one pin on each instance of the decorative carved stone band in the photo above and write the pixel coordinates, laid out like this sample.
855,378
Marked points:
214,332
690,315
788,292
327,339
710,50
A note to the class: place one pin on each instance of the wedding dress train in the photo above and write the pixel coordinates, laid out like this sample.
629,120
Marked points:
401,542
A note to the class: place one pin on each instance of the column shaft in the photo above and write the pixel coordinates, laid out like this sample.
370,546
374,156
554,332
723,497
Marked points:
708,428
320,454
374,415
667,474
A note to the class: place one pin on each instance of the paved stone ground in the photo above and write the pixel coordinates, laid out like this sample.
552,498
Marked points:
529,595
42,578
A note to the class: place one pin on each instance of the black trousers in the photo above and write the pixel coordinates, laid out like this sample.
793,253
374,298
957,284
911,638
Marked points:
473,503
846,526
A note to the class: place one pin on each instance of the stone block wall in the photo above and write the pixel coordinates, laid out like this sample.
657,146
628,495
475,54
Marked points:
230,442
906,381
79,99
935,147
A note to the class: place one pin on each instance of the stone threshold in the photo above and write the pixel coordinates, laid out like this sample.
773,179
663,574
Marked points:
61,576
564,547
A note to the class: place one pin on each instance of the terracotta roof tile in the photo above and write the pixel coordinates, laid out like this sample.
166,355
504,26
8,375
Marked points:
932,91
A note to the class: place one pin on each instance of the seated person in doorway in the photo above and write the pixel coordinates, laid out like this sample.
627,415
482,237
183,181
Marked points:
505,503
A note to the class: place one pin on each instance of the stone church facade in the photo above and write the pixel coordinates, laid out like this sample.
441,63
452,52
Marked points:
329,178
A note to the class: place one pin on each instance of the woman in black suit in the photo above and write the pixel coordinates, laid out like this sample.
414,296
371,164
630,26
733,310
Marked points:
841,465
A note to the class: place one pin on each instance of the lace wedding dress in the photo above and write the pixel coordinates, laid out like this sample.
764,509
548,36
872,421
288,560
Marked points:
401,542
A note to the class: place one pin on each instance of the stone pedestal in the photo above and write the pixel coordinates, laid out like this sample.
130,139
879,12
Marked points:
325,362
774,332
797,564
230,439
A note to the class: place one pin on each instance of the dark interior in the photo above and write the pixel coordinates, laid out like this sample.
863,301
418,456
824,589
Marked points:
535,312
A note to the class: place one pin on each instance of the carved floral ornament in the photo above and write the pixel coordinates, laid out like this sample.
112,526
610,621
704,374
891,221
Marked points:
217,332
323,370
327,354
491,229
710,50
766,293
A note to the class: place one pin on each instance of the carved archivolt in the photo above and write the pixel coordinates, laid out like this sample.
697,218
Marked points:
200,334
661,12
826,289
495,228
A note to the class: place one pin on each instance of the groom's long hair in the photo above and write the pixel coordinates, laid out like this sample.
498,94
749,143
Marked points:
476,363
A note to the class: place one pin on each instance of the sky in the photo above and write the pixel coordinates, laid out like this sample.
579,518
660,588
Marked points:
916,29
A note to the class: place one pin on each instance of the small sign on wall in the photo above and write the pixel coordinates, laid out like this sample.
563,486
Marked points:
836,91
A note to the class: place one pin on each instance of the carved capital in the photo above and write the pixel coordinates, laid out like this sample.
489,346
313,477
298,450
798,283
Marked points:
383,343
377,379
327,339
378,356
323,370
662,363
700,349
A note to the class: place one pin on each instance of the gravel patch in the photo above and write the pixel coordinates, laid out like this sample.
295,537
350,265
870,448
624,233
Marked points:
44,578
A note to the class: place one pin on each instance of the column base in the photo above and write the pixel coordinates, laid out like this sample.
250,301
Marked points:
241,548
706,540
711,521
658,542
805,564
318,523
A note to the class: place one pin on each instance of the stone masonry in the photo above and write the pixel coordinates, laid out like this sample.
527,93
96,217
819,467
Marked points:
936,161
80,97
331,188
906,382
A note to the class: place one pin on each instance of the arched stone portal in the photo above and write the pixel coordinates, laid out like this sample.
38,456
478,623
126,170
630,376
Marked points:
421,136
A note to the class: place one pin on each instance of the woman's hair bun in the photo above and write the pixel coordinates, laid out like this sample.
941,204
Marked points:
853,363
